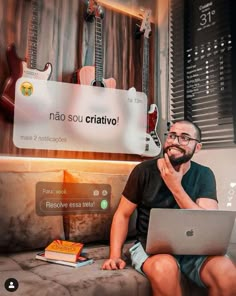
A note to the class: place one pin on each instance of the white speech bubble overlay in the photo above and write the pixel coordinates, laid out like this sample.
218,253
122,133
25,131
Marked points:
63,116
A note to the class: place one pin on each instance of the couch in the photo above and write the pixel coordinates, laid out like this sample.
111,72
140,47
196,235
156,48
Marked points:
24,232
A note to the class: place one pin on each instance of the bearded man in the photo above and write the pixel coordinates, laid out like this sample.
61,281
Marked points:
173,181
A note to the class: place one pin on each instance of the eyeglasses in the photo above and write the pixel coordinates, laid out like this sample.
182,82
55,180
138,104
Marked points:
182,139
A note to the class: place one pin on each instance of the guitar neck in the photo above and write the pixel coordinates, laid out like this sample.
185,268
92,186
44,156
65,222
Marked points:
32,47
145,72
98,49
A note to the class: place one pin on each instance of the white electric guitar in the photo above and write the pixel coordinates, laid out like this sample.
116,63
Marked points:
20,68
30,67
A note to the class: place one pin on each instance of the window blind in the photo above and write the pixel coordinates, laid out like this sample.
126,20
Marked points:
201,68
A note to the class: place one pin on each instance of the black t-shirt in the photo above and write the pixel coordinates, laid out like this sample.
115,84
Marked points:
146,188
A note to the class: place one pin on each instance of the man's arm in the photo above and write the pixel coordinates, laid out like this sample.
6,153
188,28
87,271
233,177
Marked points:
207,203
185,202
119,230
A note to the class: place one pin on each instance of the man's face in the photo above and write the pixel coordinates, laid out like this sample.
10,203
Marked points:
179,153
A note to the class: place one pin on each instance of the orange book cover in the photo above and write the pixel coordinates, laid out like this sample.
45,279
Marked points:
63,250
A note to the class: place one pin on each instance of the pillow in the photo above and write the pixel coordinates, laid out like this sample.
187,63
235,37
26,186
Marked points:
94,227
21,228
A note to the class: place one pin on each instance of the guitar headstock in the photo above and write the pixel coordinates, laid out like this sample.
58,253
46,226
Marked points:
94,9
146,25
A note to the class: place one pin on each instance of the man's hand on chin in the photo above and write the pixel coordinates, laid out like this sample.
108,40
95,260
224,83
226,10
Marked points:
169,174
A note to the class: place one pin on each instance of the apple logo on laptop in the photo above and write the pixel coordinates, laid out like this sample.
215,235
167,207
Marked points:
190,232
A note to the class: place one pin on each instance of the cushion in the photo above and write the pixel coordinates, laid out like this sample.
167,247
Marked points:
21,228
94,226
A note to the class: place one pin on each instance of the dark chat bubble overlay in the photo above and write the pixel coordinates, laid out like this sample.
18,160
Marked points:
56,198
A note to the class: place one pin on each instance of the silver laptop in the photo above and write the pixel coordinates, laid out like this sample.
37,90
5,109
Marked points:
189,232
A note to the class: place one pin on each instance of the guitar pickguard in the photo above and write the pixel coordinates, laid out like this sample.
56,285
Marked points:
45,74
153,144
86,76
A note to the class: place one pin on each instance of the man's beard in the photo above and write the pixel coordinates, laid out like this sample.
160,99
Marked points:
176,161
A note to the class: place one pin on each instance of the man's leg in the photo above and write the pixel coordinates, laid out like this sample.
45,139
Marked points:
164,275
218,273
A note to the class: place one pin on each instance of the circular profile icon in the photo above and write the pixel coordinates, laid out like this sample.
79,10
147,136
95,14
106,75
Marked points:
26,88
11,285
104,204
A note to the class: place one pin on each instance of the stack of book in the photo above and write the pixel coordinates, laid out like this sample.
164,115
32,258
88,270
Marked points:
65,253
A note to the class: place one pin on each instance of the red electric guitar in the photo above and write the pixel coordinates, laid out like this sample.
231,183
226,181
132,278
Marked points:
19,68
153,143
93,75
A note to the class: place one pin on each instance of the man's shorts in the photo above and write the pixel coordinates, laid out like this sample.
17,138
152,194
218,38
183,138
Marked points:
189,265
